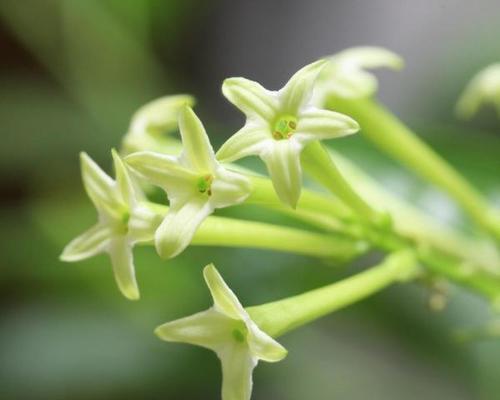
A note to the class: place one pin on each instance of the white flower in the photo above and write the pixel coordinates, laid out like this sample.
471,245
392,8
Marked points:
344,76
279,124
122,222
226,328
196,184
484,88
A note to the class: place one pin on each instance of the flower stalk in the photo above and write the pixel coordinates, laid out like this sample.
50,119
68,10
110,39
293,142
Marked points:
279,317
390,135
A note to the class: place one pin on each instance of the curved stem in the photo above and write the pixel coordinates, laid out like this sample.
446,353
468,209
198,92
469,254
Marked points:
390,135
229,232
279,317
320,165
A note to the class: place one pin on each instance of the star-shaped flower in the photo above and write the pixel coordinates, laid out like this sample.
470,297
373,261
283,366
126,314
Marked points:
344,76
122,222
279,124
227,329
195,182
484,88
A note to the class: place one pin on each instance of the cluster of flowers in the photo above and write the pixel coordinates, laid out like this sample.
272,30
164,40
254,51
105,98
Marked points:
279,125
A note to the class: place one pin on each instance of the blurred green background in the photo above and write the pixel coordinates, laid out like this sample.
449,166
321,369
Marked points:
71,74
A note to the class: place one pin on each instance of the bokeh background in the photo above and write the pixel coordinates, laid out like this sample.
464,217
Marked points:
71,74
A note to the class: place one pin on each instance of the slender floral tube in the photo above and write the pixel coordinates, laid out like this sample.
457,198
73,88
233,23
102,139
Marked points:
319,164
279,317
393,137
228,232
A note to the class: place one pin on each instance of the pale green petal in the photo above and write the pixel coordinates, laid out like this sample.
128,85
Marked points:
354,84
315,124
197,151
120,252
263,346
251,98
209,329
369,57
483,88
159,115
283,164
143,223
225,300
298,89
92,242
163,170
100,187
123,179
229,188
237,367
179,226
248,141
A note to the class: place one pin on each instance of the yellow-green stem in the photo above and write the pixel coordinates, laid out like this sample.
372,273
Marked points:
390,135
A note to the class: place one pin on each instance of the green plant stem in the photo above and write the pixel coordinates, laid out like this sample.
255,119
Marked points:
390,135
228,232
281,316
319,164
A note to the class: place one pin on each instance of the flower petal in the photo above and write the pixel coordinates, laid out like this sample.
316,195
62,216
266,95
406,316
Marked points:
88,244
225,301
120,252
229,188
283,164
123,180
179,226
299,88
248,141
99,187
198,151
208,329
251,98
163,170
263,346
368,57
159,115
143,224
237,367
316,124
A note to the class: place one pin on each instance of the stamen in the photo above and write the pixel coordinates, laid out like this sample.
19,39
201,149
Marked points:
284,127
204,184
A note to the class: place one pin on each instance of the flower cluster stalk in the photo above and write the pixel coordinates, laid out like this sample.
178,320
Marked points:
390,135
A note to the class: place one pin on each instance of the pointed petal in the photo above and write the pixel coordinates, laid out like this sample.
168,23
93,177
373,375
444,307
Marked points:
198,151
248,141
163,170
120,252
263,346
229,188
88,244
299,88
237,369
123,179
159,115
179,226
369,57
99,187
225,301
208,329
251,98
315,124
283,165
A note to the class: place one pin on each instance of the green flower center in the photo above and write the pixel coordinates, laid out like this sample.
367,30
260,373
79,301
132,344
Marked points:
238,335
284,127
204,184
